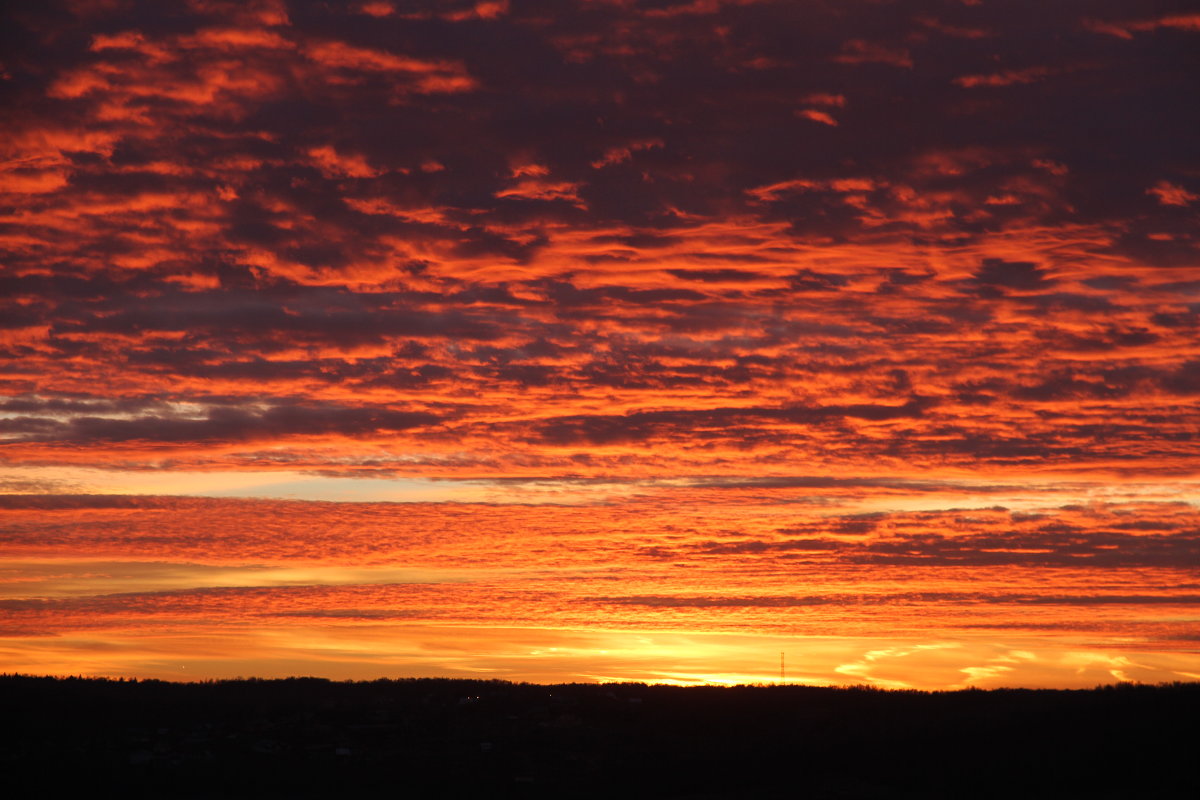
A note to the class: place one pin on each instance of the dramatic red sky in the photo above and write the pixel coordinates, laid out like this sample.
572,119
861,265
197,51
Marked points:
602,339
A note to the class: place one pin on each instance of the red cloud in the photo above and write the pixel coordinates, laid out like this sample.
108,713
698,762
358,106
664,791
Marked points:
1172,194
1126,29
817,116
1008,78
861,51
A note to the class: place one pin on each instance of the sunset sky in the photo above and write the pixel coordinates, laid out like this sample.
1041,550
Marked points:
576,340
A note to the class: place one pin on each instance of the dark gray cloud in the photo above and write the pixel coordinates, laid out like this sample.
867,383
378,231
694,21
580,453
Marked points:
222,423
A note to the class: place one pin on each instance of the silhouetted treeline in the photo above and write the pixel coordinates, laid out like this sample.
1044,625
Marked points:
307,737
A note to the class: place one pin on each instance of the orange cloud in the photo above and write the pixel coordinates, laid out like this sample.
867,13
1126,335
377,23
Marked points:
537,189
817,116
1126,29
825,99
861,51
1171,194
378,9
335,164
1007,78
340,55
618,155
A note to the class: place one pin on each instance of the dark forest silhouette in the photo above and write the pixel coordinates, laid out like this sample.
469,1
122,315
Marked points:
309,737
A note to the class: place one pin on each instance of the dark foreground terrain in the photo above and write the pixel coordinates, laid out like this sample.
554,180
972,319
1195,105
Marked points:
307,737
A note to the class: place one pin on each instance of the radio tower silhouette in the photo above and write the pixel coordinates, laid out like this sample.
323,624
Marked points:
781,666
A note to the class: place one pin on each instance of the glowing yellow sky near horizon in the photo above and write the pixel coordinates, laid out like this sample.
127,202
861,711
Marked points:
548,655
655,589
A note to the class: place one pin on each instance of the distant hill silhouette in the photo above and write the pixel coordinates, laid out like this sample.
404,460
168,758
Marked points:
309,738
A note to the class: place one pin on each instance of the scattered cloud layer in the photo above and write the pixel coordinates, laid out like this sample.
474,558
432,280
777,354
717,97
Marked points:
682,235
276,583
743,254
